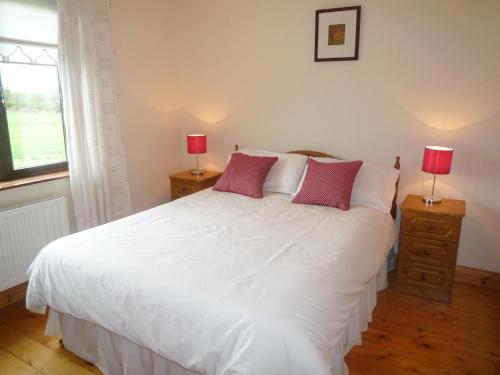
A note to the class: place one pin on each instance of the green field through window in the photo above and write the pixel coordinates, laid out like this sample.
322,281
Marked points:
34,118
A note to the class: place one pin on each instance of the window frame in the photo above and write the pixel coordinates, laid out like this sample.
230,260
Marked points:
7,171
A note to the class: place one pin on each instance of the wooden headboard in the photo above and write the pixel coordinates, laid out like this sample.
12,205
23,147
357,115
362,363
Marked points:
317,154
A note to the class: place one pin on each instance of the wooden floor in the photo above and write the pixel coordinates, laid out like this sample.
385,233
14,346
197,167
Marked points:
408,335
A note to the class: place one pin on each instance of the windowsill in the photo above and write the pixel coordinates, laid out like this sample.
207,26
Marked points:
33,180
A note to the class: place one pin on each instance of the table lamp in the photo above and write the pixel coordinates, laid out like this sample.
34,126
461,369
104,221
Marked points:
197,144
437,160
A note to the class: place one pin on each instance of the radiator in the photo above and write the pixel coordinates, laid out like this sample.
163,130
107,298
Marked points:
24,231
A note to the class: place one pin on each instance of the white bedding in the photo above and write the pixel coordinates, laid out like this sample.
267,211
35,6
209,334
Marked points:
220,283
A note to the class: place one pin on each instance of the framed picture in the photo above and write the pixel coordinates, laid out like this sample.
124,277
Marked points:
337,34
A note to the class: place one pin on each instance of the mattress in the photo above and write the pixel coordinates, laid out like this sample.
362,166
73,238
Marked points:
220,283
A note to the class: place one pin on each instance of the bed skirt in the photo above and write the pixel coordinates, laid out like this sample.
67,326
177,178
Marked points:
116,355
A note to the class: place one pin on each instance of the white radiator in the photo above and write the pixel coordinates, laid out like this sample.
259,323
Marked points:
24,231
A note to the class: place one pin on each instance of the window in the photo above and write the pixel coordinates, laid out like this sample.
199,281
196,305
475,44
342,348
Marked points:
31,123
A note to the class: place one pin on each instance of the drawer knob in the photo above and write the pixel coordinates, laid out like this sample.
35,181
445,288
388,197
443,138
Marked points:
423,277
427,252
429,226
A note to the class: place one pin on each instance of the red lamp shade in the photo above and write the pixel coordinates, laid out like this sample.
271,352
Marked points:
437,159
197,143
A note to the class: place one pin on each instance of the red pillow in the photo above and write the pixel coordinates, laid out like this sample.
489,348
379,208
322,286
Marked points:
328,184
245,174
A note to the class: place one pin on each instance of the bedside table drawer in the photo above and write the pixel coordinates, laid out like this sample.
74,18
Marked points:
436,253
185,183
443,228
180,190
208,183
424,280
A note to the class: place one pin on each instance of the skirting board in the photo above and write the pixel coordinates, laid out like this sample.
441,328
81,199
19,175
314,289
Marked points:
476,276
13,295
467,275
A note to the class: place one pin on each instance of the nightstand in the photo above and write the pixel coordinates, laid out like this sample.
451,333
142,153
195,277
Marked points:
185,183
428,246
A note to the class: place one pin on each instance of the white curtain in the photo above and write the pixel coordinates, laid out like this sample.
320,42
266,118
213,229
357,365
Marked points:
98,175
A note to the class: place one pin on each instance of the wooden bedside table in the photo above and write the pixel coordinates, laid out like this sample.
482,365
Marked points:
428,246
184,183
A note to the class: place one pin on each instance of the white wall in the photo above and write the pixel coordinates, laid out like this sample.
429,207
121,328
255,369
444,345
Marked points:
428,73
145,36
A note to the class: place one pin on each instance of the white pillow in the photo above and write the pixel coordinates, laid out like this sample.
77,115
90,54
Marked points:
285,174
374,186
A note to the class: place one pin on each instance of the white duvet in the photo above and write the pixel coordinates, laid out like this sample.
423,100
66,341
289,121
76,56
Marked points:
220,283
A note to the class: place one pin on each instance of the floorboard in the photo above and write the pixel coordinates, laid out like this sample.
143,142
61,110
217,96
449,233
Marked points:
411,335
408,335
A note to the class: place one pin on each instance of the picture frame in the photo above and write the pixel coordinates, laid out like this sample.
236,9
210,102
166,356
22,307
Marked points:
337,34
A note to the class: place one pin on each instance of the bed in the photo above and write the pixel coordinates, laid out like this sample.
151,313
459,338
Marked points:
217,283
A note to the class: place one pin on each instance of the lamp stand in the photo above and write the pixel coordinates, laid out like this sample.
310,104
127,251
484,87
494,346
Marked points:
197,171
432,199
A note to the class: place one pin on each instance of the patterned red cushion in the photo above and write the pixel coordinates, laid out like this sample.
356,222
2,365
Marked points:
328,184
245,174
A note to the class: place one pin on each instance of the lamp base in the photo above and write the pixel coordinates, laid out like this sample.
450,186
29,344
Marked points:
197,172
431,200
